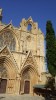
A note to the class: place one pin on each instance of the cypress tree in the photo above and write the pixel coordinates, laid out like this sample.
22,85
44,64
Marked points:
50,48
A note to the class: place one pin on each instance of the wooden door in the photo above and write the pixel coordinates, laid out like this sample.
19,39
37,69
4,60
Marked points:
27,87
3,84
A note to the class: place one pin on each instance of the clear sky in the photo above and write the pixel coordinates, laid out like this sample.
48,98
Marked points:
39,10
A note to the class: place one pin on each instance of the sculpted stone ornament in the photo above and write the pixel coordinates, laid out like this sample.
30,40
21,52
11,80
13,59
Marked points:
28,38
34,25
30,20
5,51
0,11
23,23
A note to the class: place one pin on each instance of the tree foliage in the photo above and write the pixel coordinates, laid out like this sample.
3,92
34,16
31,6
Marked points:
50,83
50,48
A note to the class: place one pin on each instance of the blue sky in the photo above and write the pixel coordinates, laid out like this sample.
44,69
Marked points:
40,10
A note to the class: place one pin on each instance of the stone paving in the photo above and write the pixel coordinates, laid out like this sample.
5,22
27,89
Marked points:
20,97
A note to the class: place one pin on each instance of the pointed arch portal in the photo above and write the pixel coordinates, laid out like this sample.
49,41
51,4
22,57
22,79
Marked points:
7,71
29,77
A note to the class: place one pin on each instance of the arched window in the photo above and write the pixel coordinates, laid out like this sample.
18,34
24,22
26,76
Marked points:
29,27
8,39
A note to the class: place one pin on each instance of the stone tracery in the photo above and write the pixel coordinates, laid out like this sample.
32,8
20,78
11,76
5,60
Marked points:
7,38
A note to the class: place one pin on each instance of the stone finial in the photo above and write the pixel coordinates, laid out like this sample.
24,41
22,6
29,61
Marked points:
0,14
0,11
30,20
23,22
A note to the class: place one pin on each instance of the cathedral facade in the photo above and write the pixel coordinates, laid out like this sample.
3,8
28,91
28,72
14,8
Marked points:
22,57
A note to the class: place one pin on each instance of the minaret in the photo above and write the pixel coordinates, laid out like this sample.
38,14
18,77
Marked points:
0,15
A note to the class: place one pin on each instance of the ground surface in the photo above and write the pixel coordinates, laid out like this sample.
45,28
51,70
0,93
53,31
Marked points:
20,97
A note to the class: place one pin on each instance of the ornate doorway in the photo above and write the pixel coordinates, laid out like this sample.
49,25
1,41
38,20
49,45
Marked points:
28,79
7,75
27,87
3,84
3,76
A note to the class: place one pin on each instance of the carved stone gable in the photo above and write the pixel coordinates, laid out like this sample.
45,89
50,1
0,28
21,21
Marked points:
29,59
5,51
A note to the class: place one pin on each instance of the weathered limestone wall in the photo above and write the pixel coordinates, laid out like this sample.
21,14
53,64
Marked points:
28,55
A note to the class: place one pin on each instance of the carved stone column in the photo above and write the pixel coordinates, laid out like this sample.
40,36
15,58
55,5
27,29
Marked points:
18,79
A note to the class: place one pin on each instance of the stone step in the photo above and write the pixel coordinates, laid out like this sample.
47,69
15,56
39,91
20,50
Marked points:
20,97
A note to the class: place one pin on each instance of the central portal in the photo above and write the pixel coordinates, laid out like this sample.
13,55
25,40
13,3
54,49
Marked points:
27,87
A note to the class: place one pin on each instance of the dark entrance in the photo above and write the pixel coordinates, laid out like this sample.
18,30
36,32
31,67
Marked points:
27,87
3,83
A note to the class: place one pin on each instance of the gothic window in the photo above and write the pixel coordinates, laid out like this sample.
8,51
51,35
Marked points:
8,39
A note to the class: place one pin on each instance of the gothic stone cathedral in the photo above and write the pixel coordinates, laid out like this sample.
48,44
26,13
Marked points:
21,56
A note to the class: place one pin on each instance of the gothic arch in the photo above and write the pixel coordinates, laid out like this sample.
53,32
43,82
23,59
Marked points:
13,35
29,77
31,67
9,66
